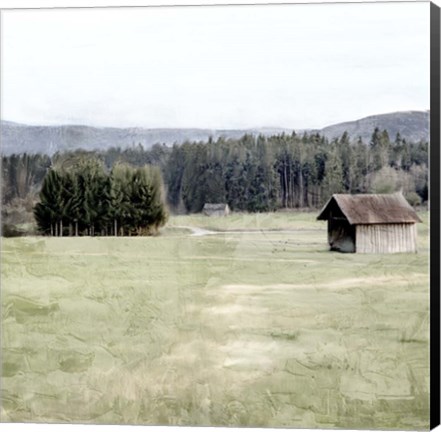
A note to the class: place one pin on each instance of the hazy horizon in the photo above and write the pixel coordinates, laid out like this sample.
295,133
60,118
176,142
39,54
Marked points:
202,128
302,66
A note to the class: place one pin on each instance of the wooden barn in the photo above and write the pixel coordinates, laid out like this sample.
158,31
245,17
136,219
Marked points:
216,210
370,223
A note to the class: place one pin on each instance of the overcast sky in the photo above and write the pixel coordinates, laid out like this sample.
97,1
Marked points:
296,66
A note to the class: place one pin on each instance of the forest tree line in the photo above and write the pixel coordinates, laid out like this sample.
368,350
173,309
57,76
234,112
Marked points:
250,174
292,171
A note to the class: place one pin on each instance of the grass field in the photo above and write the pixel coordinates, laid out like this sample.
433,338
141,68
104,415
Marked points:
242,321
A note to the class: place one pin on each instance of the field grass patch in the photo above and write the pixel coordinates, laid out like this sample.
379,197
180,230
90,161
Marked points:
256,325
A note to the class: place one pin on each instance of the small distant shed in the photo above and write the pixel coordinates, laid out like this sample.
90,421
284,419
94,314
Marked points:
370,223
216,210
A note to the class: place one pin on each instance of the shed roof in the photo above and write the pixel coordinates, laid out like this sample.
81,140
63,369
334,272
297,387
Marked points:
215,206
371,209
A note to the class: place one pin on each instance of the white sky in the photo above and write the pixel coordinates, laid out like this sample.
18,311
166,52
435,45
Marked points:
296,66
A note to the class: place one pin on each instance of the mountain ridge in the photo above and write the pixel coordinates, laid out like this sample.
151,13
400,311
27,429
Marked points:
20,138
412,125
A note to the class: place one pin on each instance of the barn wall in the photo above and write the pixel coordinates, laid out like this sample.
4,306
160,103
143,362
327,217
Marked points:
218,213
386,238
215,213
216,210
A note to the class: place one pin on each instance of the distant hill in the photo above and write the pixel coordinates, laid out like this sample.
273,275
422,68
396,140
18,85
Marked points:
19,138
412,125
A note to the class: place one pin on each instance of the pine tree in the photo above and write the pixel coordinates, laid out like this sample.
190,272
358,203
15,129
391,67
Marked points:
380,146
346,156
333,181
49,211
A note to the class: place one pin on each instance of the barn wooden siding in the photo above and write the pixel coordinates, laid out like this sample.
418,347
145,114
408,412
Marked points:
216,210
386,238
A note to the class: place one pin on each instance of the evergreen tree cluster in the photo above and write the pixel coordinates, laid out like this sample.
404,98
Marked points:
82,199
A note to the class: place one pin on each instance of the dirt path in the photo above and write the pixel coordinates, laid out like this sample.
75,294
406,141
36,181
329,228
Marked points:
196,231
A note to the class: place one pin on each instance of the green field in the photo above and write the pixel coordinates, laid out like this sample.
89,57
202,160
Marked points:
243,321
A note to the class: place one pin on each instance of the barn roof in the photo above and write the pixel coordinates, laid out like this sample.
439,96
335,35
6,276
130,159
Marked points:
371,209
215,207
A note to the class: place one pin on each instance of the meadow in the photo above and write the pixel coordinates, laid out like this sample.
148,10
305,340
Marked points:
247,320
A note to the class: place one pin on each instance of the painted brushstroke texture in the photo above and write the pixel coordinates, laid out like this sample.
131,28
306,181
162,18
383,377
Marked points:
255,324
